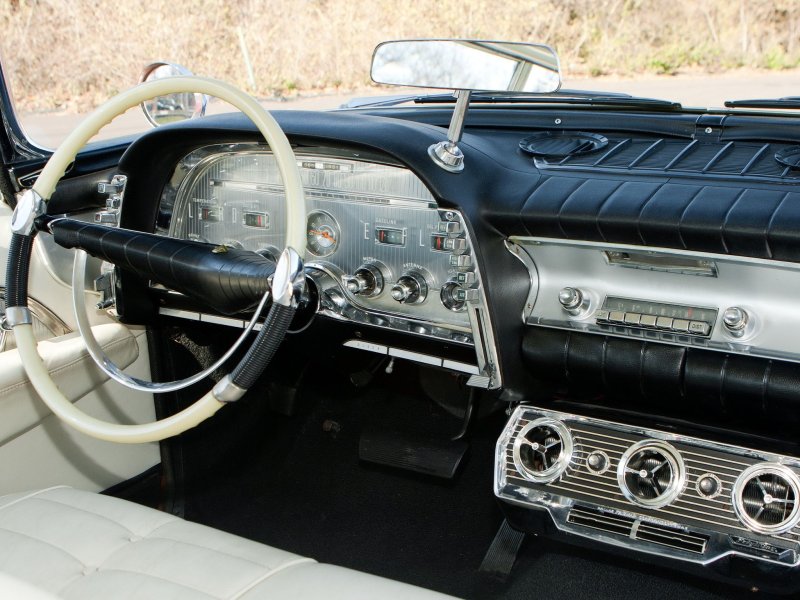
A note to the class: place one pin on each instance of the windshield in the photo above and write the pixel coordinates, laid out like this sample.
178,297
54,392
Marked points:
64,57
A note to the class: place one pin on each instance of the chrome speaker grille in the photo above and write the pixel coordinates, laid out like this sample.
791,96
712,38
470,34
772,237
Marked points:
651,474
765,498
542,450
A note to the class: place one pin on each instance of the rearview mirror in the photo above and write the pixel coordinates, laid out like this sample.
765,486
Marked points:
468,65
172,107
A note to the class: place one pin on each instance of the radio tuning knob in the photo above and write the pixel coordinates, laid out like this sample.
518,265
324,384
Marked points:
735,320
571,300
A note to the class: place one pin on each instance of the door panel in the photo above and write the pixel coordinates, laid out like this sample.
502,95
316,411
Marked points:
36,449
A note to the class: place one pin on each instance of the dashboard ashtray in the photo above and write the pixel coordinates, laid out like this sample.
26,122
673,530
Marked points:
789,157
561,144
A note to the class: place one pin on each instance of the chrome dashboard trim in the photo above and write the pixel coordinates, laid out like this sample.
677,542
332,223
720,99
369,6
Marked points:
766,289
362,196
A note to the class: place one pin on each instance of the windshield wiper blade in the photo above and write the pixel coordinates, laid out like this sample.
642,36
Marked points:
570,97
791,102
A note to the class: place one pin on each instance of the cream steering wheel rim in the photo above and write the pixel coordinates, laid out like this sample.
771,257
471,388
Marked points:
55,168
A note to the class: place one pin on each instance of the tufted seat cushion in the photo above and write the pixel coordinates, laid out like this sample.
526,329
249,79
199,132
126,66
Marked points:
75,544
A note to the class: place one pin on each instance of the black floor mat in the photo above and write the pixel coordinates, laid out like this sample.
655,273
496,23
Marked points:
298,485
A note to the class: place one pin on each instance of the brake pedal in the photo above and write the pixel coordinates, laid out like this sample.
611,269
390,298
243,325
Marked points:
421,454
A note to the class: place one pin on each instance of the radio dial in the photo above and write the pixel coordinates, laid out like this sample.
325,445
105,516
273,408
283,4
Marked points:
735,320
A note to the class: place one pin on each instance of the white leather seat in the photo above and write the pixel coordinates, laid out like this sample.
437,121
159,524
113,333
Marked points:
75,544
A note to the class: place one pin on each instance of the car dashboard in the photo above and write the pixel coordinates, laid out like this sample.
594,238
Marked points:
629,300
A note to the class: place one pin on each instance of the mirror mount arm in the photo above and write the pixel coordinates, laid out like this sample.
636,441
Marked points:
448,155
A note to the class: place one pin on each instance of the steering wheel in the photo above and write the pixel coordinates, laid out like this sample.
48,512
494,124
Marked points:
230,280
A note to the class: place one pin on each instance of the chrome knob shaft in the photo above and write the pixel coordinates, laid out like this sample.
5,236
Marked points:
735,320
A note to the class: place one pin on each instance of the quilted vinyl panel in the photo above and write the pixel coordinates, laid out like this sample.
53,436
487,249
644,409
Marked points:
707,217
678,379
78,545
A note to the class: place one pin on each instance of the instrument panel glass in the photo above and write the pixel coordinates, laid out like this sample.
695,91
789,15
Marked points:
361,212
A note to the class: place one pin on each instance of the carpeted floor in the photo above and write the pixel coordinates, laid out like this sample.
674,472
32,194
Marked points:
297,483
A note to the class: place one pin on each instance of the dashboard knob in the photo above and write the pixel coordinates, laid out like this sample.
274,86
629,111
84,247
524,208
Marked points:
453,296
367,281
570,299
735,320
411,288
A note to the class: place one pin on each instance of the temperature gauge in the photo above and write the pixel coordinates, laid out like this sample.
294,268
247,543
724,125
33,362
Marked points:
323,234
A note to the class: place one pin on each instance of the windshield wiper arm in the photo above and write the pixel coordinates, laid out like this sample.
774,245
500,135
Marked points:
609,99
564,97
791,102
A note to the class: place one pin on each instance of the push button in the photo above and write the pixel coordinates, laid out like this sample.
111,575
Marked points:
664,322
455,244
616,316
632,318
680,326
466,279
648,321
449,227
699,327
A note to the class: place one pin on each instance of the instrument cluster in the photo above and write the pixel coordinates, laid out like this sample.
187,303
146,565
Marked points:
379,249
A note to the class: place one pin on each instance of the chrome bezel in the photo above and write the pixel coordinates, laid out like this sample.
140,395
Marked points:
675,461
559,466
738,502
334,225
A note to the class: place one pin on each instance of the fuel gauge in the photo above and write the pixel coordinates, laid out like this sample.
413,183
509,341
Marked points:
322,234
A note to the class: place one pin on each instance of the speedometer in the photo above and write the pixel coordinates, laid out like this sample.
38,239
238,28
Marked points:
323,233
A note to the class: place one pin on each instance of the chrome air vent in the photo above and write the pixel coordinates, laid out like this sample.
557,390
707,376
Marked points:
651,474
765,498
654,491
636,529
542,450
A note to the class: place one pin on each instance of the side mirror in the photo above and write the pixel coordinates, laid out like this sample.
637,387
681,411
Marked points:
173,107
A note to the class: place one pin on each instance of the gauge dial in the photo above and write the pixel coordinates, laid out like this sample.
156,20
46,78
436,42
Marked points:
323,233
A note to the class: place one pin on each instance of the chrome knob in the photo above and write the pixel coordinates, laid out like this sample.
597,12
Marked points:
401,291
366,281
735,320
454,296
411,288
570,298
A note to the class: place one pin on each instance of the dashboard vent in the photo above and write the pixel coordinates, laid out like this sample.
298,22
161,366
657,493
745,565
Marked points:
670,155
563,144
651,474
765,498
631,528
542,450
